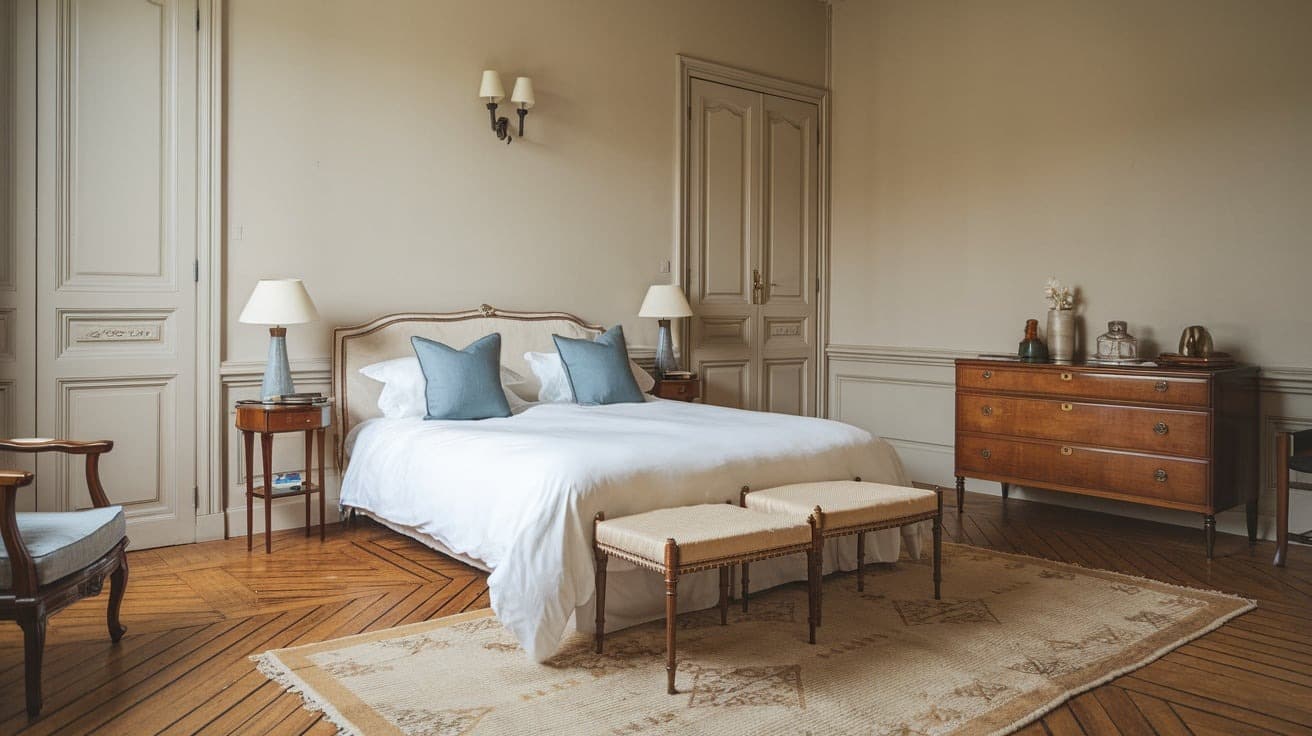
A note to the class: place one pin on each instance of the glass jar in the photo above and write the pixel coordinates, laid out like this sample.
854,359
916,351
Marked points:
1118,345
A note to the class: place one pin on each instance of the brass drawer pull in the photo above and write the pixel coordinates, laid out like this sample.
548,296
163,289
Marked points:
1067,451
1066,376
987,375
985,454
1160,476
987,411
1067,407
1160,387
1161,428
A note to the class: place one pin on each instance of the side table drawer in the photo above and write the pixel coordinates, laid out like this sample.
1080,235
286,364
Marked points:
283,421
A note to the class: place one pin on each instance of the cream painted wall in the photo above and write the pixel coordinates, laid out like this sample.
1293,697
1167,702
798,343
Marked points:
1157,154
360,158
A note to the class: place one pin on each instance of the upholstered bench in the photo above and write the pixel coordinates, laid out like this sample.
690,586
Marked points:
687,539
844,507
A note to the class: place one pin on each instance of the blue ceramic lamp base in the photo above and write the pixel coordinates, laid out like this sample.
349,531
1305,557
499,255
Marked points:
278,373
665,361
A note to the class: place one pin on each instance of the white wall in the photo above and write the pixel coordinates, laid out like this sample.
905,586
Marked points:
360,158
1157,154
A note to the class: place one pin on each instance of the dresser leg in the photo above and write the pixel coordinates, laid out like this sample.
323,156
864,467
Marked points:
1209,533
1251,510
1006,489
961,492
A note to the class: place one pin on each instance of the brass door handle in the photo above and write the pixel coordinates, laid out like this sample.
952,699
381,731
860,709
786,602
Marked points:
1160,475
1161,428
987,411
1067,407
757,287
1066,451
1160,386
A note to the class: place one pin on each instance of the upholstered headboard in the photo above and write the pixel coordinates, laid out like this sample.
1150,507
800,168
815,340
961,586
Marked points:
389,337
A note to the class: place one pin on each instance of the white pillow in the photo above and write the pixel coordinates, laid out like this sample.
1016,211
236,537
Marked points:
403,388
550,372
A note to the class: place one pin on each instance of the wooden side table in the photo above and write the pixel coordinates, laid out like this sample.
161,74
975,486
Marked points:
268,420
679,389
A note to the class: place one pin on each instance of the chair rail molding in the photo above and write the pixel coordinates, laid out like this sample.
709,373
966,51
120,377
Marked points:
905,394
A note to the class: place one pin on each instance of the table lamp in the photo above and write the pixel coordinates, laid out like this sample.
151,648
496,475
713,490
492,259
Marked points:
278,302
665,302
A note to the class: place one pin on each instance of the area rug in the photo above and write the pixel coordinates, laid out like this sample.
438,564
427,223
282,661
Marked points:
1012,638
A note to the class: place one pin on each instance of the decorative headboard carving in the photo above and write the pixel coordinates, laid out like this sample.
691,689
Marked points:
356,397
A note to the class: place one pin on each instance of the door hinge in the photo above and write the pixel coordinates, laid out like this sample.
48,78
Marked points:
195,270
195,497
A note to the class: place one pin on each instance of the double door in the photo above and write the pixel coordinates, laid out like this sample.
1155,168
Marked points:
753,213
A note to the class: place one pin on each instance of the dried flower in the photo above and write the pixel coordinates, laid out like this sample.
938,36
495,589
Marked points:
1058,296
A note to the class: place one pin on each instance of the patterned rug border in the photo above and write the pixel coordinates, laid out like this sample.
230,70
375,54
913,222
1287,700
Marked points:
281,665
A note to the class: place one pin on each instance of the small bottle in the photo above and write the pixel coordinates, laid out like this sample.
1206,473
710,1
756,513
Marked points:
1032,349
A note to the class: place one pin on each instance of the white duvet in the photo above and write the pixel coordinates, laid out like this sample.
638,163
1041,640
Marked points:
520,493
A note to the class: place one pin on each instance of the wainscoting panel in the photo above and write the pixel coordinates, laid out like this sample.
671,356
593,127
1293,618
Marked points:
906,396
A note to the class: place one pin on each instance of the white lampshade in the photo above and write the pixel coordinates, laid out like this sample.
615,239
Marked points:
665,301
491,87
279,302
523,92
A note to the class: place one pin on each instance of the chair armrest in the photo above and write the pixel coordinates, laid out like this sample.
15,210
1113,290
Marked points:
22,568
43,444
93,450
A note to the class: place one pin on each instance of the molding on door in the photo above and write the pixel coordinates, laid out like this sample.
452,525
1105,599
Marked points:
210,415
690,68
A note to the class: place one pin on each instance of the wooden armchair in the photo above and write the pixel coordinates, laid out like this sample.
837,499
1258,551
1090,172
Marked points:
1293,452
52,560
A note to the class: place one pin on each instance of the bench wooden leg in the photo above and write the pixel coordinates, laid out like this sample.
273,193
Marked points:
745,586
813,578
599,564
724,595
861,562
671,610
817,541
938,547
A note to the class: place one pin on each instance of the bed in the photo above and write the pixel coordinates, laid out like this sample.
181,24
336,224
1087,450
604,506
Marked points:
516,496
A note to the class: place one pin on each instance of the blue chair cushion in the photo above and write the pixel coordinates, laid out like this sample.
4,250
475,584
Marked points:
63,542
462,384
598,370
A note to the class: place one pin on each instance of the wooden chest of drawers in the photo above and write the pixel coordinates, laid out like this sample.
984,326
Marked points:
1170,437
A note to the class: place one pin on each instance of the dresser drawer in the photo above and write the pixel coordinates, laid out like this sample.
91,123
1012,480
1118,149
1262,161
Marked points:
1085,384
1175,481
1159,431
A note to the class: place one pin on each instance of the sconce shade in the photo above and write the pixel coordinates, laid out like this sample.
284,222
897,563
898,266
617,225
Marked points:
279,302
665,301
523,92
491,87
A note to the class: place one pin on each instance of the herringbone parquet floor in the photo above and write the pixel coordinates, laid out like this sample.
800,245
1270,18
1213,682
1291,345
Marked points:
195,613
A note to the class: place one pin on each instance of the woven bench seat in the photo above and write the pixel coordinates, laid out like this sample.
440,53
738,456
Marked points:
843,507
687,539
703,533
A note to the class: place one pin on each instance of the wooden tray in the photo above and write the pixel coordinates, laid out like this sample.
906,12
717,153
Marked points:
1217,360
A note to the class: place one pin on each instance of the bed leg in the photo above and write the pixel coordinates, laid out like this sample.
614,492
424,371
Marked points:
671,611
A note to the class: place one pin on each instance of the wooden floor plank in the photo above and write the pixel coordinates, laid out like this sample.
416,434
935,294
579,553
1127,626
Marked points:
196,613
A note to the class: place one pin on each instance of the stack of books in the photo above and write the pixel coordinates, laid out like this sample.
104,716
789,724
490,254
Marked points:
299,399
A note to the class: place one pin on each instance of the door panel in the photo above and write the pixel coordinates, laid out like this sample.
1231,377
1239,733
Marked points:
753,208
116,240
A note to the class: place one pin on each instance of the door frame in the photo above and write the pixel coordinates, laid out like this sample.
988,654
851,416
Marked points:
211,191
690,68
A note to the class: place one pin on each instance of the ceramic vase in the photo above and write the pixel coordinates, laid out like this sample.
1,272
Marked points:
1061,335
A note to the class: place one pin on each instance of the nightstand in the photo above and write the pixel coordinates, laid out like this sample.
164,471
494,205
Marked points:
679,389
267,420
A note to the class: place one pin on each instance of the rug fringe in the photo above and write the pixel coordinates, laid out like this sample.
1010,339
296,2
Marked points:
273,668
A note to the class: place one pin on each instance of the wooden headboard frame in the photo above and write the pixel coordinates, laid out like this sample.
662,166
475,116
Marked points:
389,337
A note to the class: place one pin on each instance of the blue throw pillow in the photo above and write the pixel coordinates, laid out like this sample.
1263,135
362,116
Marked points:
462,384
598,370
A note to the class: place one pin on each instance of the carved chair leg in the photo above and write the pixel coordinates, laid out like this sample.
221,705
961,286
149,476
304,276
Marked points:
118,585
33,623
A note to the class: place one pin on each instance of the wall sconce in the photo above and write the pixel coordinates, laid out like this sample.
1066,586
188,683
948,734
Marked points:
492,91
